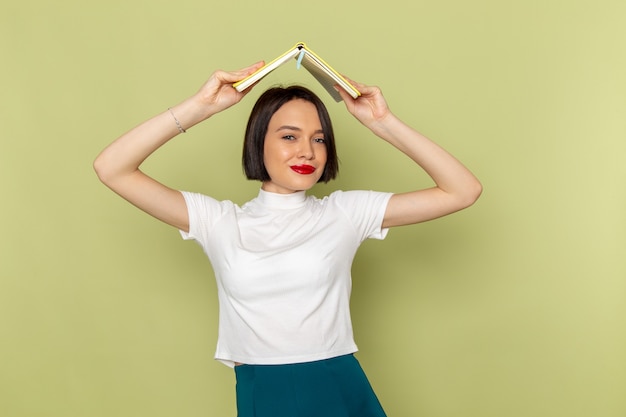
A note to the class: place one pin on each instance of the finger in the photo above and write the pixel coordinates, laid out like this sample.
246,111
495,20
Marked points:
364,89
354,83
237,75
251,68
244,72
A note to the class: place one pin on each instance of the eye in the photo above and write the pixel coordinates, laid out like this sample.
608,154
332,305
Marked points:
289,137
319,140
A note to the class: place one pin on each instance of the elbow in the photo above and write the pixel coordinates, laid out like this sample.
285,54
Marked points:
110,173
102,169
99,168
472,193
467,195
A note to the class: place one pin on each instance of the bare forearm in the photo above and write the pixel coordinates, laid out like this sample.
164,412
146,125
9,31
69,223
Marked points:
118,164
126,154
449,174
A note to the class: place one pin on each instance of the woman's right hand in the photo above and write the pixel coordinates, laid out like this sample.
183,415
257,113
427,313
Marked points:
218,94
118,164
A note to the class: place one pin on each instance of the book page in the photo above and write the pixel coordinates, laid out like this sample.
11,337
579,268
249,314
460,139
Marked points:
327,77
320,70
266,69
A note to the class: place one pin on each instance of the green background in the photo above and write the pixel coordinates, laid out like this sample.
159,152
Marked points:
514,307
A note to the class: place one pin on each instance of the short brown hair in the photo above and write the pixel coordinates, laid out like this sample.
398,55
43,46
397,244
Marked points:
254,140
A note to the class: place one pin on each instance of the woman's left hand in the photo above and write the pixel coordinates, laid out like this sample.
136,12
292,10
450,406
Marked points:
370,108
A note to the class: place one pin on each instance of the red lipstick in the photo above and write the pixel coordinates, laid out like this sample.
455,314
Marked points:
303,169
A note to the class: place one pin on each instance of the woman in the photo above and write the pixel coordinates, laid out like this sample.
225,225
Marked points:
282,261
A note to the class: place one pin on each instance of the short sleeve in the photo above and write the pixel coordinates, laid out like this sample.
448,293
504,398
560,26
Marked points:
204,212
366,211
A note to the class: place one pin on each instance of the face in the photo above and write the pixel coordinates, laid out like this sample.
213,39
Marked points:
294,151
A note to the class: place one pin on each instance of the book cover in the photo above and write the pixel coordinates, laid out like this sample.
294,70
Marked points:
305,57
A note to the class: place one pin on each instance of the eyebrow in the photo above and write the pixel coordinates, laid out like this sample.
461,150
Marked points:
289,127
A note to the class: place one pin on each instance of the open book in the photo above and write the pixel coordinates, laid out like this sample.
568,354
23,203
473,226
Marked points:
322,72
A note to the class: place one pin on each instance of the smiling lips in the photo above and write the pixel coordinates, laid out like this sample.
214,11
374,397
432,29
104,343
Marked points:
303,169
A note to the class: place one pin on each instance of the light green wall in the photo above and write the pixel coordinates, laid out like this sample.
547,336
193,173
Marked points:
515,307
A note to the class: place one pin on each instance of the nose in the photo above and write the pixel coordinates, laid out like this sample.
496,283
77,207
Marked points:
306,150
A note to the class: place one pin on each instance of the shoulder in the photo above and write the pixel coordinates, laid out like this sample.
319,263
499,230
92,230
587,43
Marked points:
204,213
201,202
355,202
359,197
363,209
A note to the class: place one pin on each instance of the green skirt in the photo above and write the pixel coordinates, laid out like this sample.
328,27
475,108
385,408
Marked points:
335,387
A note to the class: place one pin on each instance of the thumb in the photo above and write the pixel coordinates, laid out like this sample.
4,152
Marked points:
244,72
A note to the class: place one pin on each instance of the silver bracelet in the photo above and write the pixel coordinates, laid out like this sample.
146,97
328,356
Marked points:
180,128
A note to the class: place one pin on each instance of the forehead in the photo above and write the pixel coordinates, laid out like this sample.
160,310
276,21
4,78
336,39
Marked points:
296,112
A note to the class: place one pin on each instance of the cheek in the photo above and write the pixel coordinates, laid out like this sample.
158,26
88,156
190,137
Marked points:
322,154
275,156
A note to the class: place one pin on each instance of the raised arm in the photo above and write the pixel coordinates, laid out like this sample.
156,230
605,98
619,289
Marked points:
117,165
455,186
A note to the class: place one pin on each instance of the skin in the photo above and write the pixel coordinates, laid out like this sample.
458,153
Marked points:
118,165
294,138
455,187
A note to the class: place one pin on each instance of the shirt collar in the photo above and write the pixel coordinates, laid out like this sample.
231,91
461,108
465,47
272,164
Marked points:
283,201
